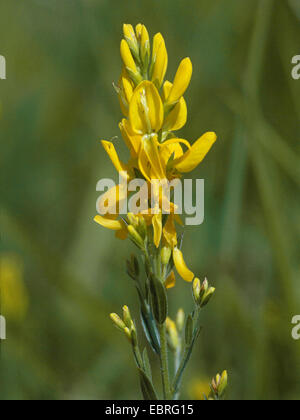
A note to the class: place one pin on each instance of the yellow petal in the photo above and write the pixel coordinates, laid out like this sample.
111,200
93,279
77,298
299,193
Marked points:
127,56
132,140
146,109
196,153
181,81
169,232
110,202
111,151
181,267
150,146
160,60
129,32
166,152
144,165
138,30
109,223
157,229
176,117
171,280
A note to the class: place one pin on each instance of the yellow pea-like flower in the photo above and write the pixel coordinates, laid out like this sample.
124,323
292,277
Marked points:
146,112
181,81
181,267
127,56
176,118
195,155
159,60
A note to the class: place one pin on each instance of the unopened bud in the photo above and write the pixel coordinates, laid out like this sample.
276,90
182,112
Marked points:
219,384
142,227
180,320
135,236
133,220
117,321
207,296
130,37
196,290
173,338
126,316
166,253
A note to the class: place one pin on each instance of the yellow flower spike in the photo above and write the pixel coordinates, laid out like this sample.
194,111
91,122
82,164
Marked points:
109,223
177,117
127,57
157,229
181,81
146,109
181,267
195,155
111,151
170,281
159,60
132,140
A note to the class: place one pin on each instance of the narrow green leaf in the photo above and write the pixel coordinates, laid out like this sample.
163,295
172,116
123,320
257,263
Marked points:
159,300
147,388
147,366
189,327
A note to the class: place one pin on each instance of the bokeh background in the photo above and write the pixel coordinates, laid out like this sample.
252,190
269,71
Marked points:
61,274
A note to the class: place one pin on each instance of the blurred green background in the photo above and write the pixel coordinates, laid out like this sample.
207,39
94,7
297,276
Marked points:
62,274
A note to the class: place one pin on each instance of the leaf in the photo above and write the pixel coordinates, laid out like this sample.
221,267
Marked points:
147,388
150,329
189,327
147,366
159,300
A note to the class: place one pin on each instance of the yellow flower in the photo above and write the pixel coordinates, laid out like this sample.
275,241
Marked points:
181,81
127,57
125,91
176,117
159,60
111,151
195,155
146,112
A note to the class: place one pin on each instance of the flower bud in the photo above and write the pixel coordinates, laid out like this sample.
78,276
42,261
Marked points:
130,37
117,321
180,320
207,296
219,384
196,290
173,338
166,253
126,316
135,236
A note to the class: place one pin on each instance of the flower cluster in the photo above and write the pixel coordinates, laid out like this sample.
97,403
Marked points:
154,109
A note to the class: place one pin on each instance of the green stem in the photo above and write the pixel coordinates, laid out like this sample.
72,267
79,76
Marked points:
164,365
